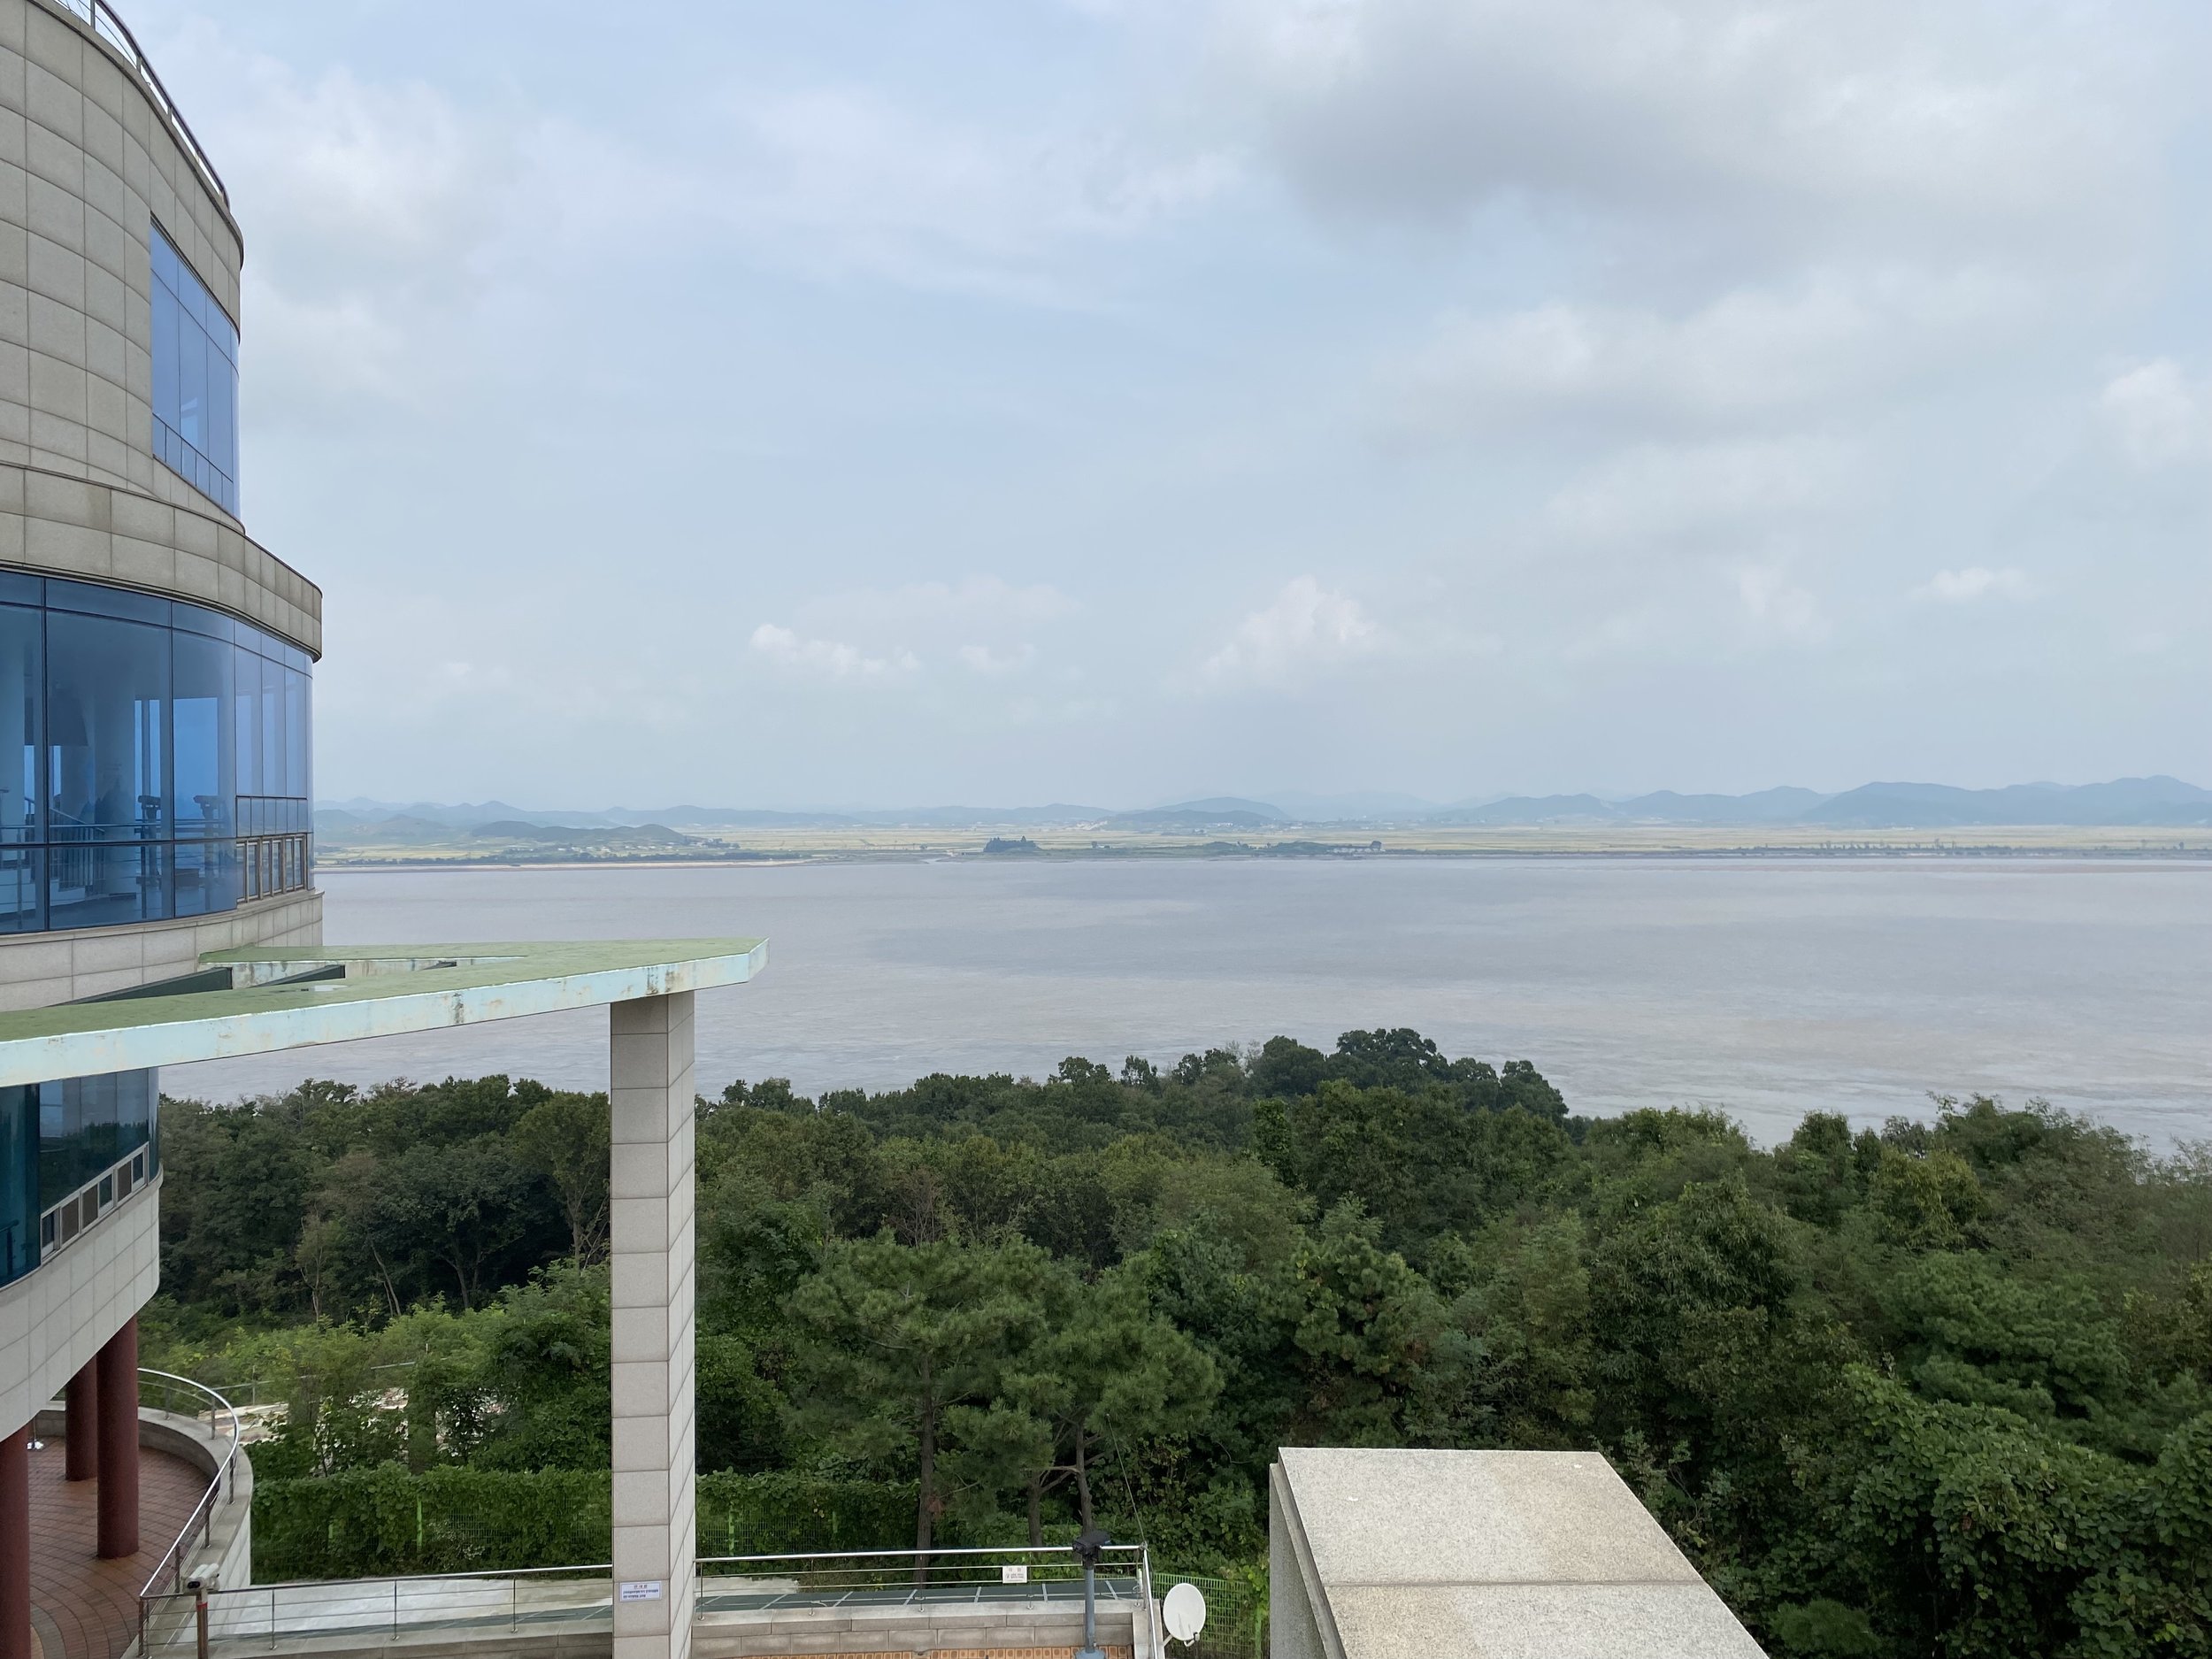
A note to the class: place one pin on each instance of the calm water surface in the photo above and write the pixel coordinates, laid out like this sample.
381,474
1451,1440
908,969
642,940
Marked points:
1768,988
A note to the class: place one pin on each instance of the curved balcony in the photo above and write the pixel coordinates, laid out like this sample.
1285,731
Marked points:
195,1495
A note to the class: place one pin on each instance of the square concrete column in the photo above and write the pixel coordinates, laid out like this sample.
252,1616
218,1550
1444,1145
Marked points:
649,1090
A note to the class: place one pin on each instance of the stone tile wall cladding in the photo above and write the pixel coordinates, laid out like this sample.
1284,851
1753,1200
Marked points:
84,160
86,165
99,533
43,969
53,1321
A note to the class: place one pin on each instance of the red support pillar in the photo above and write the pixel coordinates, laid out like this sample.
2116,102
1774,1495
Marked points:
15,1641
118,1443
81,1432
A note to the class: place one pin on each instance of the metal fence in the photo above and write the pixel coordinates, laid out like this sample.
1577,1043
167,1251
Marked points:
885,1577
274,1614
1236,1617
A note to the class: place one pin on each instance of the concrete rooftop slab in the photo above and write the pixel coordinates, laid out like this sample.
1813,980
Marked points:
1476,1518
1385,1553
1538,1621
373,991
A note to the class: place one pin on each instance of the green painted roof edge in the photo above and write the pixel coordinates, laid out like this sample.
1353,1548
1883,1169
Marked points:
388,990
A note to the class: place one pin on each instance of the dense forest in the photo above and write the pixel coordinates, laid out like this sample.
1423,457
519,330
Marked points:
1942,1388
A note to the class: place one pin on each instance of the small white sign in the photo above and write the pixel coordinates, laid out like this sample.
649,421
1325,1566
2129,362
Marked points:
1014,1575
642,1589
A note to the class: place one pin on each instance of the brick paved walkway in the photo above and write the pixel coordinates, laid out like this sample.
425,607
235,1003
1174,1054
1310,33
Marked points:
88,1606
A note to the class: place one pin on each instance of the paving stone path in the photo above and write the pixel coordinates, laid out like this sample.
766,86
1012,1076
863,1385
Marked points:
84,1607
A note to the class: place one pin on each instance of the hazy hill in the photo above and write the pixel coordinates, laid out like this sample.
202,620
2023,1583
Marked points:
2155,801
1252,817
1522,809
1225,806
1768,806
2164,802
560,835
1303,808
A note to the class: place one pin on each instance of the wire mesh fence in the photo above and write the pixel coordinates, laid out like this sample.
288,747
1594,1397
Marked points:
1236,1616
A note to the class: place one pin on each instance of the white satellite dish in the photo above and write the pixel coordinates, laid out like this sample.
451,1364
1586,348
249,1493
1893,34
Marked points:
1183,1610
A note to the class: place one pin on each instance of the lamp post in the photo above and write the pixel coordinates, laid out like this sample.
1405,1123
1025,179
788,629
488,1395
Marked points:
1088,1548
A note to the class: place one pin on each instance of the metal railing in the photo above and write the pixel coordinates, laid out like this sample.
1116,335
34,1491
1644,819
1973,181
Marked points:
283,1614
204,1404
62,1223
271,865
884,1577
101,18
275,1615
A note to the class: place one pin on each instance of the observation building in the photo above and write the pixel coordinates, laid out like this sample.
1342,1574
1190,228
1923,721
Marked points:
156,672
157,862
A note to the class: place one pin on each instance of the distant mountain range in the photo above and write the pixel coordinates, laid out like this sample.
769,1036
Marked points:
2147,803
2164,803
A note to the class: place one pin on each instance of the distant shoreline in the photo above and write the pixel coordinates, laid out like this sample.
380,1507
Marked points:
1988,852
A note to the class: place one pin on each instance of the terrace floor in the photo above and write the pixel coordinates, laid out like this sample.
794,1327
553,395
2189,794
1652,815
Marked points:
81,1607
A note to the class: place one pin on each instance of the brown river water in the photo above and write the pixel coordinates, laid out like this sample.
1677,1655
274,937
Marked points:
1766,987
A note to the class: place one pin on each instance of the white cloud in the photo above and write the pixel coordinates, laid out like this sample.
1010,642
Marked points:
1308,627
2158,416
1776,605
1656,492
400,233
871,635
1974,582
1766,311
355,176
843,180
974,605
372,211
1751,354
1788,122
985,661
829,657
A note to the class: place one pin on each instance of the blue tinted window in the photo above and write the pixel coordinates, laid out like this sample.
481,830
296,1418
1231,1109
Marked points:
19,1181
107,727
89,1125
246,721
70,1151
192,620
206,765
97,600
191,422
194,379
22,720
149,766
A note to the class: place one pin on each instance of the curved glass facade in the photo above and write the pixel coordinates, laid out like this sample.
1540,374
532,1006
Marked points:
70,1151
155,758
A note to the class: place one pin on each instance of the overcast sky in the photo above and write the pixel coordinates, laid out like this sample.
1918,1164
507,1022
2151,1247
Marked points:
1114,401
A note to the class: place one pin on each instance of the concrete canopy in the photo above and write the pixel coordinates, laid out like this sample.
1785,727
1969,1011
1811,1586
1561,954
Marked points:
360,991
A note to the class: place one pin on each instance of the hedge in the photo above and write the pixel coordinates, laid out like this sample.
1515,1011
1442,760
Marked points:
786,1513
383,1521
